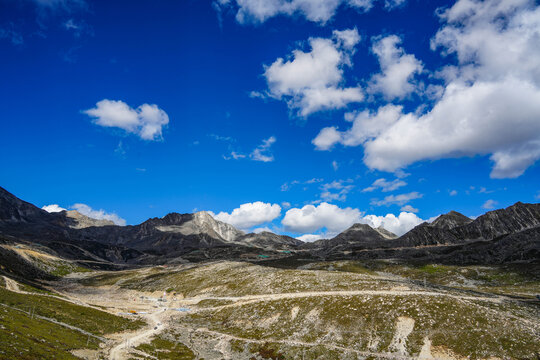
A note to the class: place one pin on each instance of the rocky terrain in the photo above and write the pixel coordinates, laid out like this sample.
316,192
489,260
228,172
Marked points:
187,286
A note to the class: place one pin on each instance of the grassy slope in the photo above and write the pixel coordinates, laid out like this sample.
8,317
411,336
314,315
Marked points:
24,338
92,320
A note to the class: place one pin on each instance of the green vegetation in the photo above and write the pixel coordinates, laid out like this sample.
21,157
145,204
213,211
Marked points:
27,338
163,348
66,269
94,321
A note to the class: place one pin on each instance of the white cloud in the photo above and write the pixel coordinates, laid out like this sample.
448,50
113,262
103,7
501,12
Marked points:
366,125
398,69
98,214
53,208
286,204
397,199
409,208
262,152
489,204
385,185
250,214
312,81
490,104
336,190
311,218
319,11
146,121
398,225
335,165
453,193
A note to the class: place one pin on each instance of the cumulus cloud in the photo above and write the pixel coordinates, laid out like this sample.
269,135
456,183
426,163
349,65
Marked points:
490,204
146,121
319,11
313,81
397,199
53,208
399,225
489,105
311,218
453,193
262,152
333,220
98,214
397,69
385,185
365,125
250,214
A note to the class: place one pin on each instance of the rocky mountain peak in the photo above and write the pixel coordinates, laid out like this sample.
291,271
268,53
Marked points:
451,220
198,223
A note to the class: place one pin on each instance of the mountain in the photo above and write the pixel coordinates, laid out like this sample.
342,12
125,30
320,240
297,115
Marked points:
14,210
268,240
385,233
504,234
76,220
72,235
357,235
199,223
446,229
451,220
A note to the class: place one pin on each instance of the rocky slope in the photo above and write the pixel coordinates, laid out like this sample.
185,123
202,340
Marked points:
268,240
358,235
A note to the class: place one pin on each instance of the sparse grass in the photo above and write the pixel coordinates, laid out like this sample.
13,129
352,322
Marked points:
235,279
92,320
368,323
163,348
213,303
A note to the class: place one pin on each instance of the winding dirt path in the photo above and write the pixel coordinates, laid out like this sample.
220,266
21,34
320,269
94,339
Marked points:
119,352
304,344
248,299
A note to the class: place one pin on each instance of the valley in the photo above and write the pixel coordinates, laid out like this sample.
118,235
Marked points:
453,289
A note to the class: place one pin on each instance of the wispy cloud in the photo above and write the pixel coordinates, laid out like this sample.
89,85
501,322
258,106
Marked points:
397,199
262,152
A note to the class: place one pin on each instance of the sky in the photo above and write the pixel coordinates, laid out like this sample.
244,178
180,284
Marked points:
297,117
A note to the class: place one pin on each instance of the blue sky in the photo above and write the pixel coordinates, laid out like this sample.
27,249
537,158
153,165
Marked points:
274,114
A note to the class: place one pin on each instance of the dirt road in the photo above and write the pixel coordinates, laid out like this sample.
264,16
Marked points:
144,335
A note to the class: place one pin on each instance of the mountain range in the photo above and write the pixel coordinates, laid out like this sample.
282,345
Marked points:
511,234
